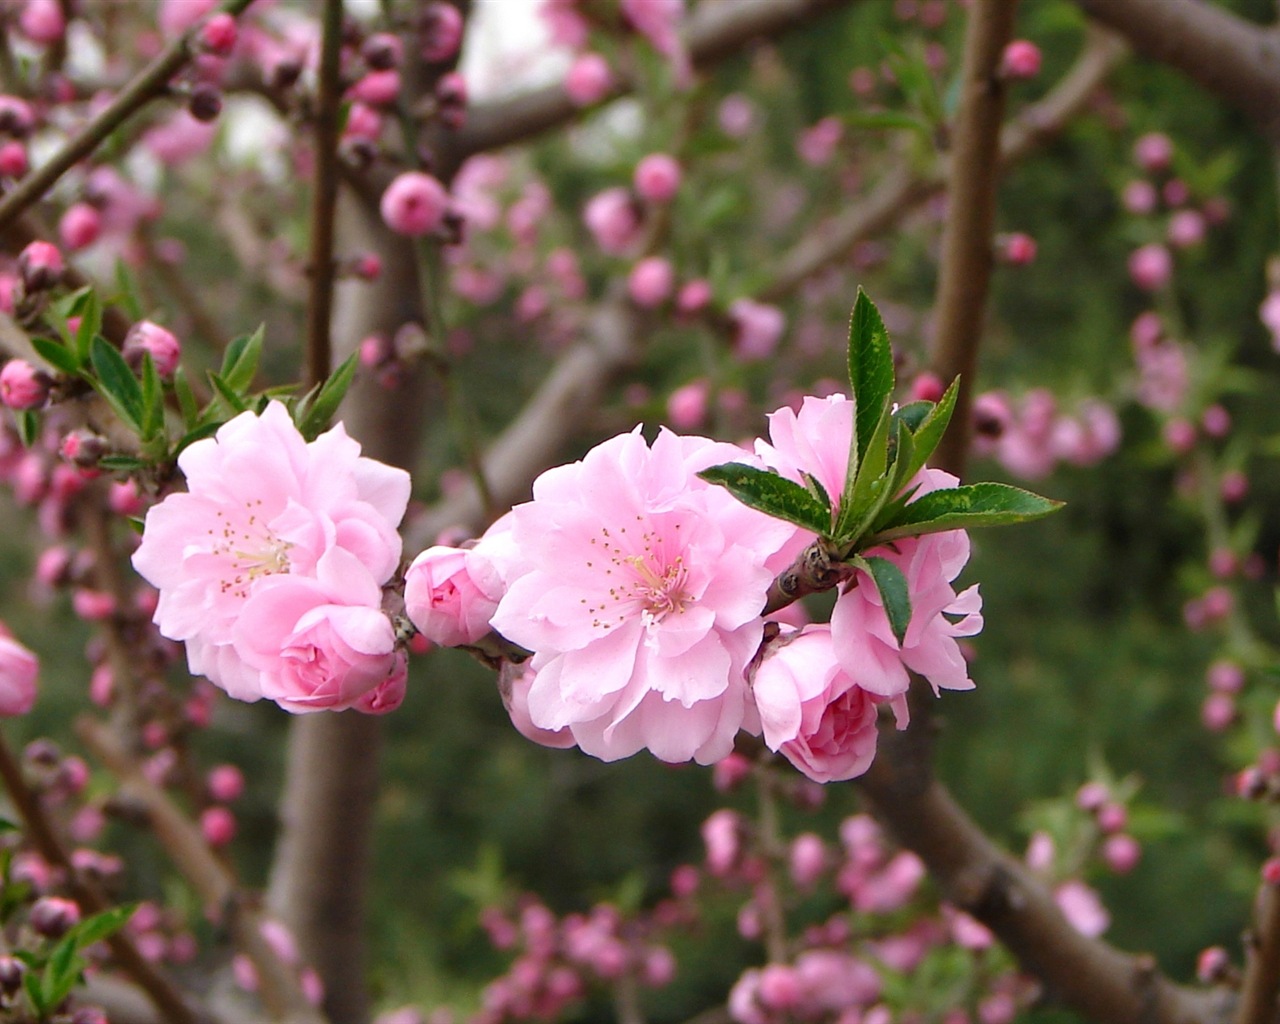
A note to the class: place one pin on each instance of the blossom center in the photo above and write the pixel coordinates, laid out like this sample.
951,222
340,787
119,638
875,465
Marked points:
252,550
658,584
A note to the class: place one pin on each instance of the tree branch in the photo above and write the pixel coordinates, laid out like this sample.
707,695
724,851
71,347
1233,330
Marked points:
1261,981
150,83
1234,59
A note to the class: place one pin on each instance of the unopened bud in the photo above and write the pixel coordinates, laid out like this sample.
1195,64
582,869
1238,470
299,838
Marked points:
54,916
382,51
218,35
146,337
205,103
40,265
451,97
1020,60
11,971
439,32
23,386
82,448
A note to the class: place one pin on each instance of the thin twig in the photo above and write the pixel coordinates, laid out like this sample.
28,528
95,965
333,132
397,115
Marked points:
150,83
324,198
167,1000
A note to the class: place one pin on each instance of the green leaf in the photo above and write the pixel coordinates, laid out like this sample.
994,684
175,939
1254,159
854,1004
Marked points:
882,120
870,488
28,424
913,414
198,434
870,370
963,508
771,494
894,594
226,395
90,312
240,361
327,400
122,463
929,433
116,382
815,488
35,993
102,925
127,291
186,399
152,399
56,355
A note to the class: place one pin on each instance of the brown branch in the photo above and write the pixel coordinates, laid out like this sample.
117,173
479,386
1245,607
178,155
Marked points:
150,83
1234,59
1261,981
168,1001
324,198
715,31
967,255
211,879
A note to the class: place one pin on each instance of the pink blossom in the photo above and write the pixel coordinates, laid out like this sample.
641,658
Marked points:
613,220
657,178
814,440
515,683
817,144
443,598
414,204
651,282
263,503
588,80
1225,676
812,711
176,16
1163,376
758,328
687,406
1082,908
179,138
42,22
639,588
831,981
659,22
388,694
808,859
19,668
377,88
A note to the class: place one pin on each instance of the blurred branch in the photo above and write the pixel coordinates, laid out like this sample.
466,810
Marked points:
714,31
324,198
1234,59
967,243
1261,980
208,875
167,1000
150,83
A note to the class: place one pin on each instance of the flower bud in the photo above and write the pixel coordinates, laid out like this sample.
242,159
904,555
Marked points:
40,265
42,22
1212,965
218,35
439,32
13,159
19,668
657,178
11,971
226,783
218,826
205,103
147,337
377,88
1121,853
82,448
1017,249
54,916
79,227
414,204
451,100
1153,152
1020,60
23,386
382,51
651,282
1151,267
16,117
588,80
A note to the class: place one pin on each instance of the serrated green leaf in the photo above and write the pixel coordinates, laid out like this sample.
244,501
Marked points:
966,507
771,494
56,355
28,424
240,361
116,382
102,925
226,396
327,400
870,370
815,488
930,431
894,593
186,399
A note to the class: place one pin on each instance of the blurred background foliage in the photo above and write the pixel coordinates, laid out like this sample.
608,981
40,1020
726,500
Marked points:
1084,664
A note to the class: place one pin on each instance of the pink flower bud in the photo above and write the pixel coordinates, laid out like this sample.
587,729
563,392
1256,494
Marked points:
1225,676
1017,249
151,338
817,144
1121,853
651,282
1091,796
758,328
721,834
808,859
439,32
42,22
730,772
1179,435
382,50
1175,192
687,406
368,266
19,668
124,499
79,226
657,178
779,987
226,783
1234,485
22,386
588,80
1020,60
377,88
16,116
218,826
414,203
1218,712
40,265
1271,871
1186,229
737,115
93,605
445,596
1151,267
1139,197
218,35
927,387
1153,152
102,685
693,297
53,916
613,220
1223,563
451,100
1212,964
13,159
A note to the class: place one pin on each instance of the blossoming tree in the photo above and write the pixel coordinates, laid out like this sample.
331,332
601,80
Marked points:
508,353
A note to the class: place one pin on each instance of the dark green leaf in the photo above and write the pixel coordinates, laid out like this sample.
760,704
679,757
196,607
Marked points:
929,433
870,369
240,361
869,490
152,399
102,925
31,982
816,489
186,399
56,355
963,508
317,417
28,424
200,432
90,313
894,594
8,826
771,494
122,463
887,119
233,403
913,413
116,382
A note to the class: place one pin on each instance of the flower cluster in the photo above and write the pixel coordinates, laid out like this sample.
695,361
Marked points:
639,589
270,566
